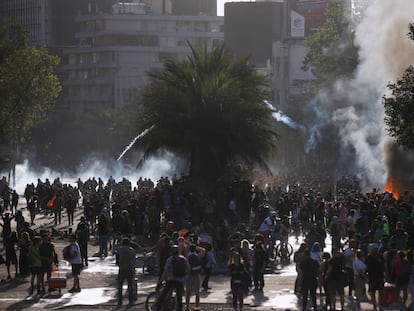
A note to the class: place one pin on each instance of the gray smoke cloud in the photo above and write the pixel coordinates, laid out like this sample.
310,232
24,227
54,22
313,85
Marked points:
356,106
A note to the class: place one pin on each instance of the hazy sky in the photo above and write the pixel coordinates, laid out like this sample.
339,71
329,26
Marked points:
220,6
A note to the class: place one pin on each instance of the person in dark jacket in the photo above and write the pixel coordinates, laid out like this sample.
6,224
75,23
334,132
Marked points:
82,232
260,261
126,261
237,272
335,278
310,273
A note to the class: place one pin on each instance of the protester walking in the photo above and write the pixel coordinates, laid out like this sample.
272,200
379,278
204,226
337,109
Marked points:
375,271
126,261
82,232
47,255
75,261
192,285
35,264
208,262
24,264
237,272
310,273
359,268
336,278
11,257
174,273
260,261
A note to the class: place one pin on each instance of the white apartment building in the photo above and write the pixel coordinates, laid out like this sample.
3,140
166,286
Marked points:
117,48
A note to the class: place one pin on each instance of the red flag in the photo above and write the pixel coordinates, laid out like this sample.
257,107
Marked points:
51,202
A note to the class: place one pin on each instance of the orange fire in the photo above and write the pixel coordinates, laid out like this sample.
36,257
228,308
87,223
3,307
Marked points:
391,187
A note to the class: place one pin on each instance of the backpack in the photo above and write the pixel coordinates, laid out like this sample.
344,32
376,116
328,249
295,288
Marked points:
67,254
178,266
125,260
195,264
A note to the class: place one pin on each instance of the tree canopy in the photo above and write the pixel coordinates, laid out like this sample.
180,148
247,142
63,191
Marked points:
28,85
331,50
399,107
210,110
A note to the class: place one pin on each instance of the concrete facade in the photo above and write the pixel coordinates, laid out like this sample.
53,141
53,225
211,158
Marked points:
117,48
49,22
278,52
106,47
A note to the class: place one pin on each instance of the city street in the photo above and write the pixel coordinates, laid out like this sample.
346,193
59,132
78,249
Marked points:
98,282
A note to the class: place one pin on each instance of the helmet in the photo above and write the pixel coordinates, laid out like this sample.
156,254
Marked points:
273,214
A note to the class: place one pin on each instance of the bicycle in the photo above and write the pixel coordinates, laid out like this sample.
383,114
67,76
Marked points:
152,300
271,248
284,251
150,265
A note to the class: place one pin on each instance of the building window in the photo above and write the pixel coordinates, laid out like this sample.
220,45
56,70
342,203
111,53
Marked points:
185,26
72,59
201,26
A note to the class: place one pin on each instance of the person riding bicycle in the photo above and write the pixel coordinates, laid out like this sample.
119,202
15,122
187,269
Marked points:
267,225
174,274
280,232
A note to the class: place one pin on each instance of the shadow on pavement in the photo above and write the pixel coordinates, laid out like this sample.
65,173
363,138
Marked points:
22,304
258,298
10,284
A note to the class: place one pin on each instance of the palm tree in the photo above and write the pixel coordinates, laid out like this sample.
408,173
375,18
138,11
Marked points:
208,109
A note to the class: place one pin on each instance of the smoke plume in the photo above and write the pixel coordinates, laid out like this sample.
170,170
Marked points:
153,168
356,105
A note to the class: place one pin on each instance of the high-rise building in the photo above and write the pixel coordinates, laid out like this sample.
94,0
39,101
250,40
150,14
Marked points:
272,34
107,46
119,43
49,22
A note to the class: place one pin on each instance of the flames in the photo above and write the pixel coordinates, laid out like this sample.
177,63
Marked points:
391,187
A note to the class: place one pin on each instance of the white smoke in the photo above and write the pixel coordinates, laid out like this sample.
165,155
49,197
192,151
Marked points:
140,135
278,115
153,168
385,52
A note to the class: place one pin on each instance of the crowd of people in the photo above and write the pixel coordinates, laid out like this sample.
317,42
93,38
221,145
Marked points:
372,233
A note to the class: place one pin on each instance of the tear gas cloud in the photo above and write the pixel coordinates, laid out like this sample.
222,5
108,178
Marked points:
355,106
153,168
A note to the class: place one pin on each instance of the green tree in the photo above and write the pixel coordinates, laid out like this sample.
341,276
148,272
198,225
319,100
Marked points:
399,107
208,109
28,87
331,50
